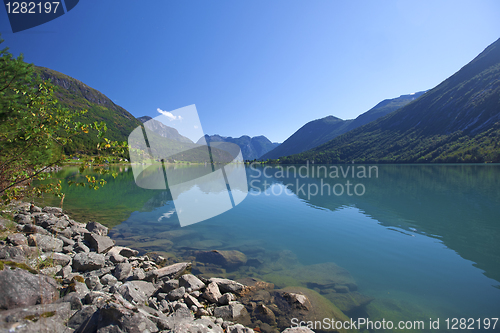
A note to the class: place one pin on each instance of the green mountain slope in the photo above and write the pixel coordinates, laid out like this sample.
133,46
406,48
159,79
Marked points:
319,131
76,95
457,121
251,148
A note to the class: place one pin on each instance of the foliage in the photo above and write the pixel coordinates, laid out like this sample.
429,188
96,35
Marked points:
34,130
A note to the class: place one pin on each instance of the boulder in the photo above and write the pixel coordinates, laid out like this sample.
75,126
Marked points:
170,285
27,315
22,288
264,314
176,294
53,210
227,298
135,292
17,239
228,286
238,328
297,330
233,312
88,261
101,244
45,243
108,280
83,316
97,228
212,293
223,258
114,317
191,281
79,247
23,218
172,271
57,258
34,229
122,271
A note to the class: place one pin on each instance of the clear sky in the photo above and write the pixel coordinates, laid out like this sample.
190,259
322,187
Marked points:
259,67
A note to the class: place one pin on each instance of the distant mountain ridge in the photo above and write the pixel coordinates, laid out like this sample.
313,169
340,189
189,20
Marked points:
457,121
319,131
163,130
251,148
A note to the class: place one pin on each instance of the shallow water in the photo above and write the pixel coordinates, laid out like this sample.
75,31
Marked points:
421,240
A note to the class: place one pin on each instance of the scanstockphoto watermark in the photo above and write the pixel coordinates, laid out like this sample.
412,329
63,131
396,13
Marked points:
310,180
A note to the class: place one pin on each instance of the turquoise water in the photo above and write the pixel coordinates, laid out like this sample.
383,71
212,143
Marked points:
421,240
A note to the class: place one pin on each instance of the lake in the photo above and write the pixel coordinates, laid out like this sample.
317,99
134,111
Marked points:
421,242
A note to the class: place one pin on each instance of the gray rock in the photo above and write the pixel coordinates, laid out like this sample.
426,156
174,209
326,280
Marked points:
138,274
59,311
228,286
82,317
53,210
238,328
227,298
108,280
223,258
45,243
35,209
101,244
192,301
48,221
17,239
51,271
97,228
297,330
132,294
23,218
65,271
13,253
97,298
88,261
170,285
30,229
93,283
67,241
264,314
57,258
176,294
73,299
126,320
100,272
21,288
297,301
233,312
191,281
80,247
124,251
123,271
115,257
79,288
172,271
212,293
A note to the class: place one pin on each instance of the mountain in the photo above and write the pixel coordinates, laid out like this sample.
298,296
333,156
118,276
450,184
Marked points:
251,148
319,131
75,95
163,130
457,121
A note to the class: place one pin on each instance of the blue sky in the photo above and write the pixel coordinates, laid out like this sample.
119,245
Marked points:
259,67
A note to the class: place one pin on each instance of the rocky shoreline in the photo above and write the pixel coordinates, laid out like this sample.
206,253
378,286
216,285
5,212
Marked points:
59,275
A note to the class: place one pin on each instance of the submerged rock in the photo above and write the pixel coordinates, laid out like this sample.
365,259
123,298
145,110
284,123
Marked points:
223,258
